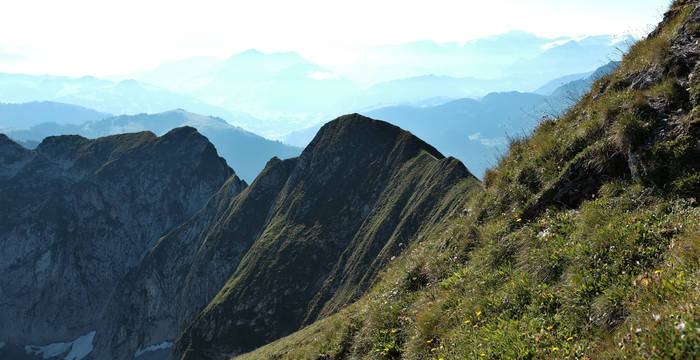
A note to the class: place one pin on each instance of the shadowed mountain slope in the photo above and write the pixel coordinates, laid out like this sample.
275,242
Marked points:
79,213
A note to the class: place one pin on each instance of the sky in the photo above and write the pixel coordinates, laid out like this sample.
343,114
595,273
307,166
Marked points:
103,38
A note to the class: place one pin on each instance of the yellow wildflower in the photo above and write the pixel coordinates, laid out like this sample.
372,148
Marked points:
555,348
478,313
550,327
570,338
467,321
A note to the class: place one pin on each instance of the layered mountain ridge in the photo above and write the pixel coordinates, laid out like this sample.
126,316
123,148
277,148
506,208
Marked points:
226,267
305,238
246,152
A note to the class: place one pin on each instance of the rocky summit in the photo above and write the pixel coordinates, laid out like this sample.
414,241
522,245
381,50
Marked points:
78,214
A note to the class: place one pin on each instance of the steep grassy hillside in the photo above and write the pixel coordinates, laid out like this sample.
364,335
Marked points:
584,244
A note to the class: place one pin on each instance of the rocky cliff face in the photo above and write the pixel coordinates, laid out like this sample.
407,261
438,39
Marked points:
78,214
184,271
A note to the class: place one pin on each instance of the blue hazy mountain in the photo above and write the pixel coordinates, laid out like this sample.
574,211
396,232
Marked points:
415,90
471,130
124,97
477,130
290,91
474,131
245,152
575,89
283,88
571,57
26,115
550,86
273,94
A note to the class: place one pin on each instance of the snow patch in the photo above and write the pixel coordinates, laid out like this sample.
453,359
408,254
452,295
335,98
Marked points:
79,348
161,346
82,346
44,262
554,44
560,42
48,351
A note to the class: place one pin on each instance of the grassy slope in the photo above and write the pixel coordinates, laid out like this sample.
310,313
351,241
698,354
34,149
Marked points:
585,242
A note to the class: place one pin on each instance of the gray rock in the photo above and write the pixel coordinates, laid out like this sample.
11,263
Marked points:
78,214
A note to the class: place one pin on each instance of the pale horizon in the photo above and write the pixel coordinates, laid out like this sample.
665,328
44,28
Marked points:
84,38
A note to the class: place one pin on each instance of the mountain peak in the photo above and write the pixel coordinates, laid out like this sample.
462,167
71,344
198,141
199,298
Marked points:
11,153
4,140
360,132
358,193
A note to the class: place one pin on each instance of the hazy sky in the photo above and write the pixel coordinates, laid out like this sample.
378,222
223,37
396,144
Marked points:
79,37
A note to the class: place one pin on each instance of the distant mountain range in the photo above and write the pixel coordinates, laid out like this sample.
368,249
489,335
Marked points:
273,94
26,115
244,151
125,97
285,89
476,131
289,91
455,127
